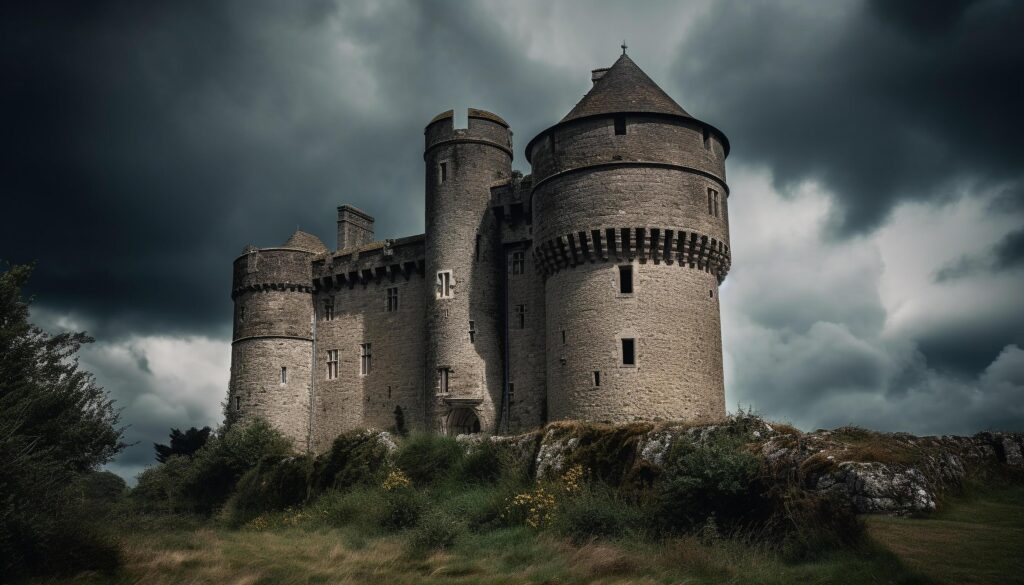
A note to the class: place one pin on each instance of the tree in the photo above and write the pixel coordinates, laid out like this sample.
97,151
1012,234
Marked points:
56,424
184,444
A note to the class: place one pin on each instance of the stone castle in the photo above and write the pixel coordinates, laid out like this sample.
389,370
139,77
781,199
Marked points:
586,290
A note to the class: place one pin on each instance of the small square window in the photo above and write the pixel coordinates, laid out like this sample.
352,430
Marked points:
620,125
626,279
628,351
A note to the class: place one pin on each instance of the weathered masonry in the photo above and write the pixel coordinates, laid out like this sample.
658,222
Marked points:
586,290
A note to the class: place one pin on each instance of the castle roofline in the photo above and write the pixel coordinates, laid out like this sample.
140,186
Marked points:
624,89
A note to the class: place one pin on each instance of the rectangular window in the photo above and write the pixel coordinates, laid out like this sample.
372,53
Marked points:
597,378
707,139
626,279
332,364
238,403
511,391
563,336
444,284
284,375
476,249
713,202
521,316
472,331
518,263
442,172
620,125
628,352
392,299
364,359
241,314
443,375
329,309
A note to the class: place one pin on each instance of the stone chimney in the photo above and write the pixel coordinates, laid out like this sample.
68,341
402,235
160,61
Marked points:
355,227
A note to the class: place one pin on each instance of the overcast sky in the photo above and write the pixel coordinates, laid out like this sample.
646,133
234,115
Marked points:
877,176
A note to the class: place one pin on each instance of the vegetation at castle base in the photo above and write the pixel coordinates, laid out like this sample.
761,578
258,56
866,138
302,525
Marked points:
56,428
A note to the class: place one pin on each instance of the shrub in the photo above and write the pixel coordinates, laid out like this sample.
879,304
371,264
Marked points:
276,483
596,511
484,463
360,506
804,525
426,458
358,457
402,509
435,531
718,477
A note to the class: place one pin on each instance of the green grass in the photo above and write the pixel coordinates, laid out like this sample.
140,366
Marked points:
979,539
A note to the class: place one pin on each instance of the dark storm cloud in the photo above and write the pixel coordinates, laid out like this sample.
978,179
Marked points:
882,102
146,144
1007,254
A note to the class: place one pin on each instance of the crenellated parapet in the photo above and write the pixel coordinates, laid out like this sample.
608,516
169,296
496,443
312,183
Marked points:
654,244
484,128
384,261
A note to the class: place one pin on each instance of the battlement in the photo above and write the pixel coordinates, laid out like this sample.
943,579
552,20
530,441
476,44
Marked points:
484,128
373,262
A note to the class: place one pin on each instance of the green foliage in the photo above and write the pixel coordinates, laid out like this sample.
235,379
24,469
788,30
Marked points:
435,531
203,482
274,484
403,509
609,453
718,477
184,444
355,458
484,463
598,511
426,458
56,426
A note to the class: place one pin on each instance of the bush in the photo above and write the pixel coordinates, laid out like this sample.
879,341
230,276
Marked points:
484,463
435,531
274,484
355,458
402,509
362,507
203,482
426,458
598,512
718,477
804,525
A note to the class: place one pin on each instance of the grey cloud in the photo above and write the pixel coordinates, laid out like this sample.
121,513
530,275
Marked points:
883,102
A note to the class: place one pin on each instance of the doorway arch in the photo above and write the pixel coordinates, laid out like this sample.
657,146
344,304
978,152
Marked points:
463,421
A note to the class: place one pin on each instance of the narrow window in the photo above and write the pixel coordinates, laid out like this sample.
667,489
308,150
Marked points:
626,279
364,359
332,364
563,336
238,403
443,374
392,299
511,391
241,314
521,316
518,262
284,375
620,125
713,202
707,139
476,249
444,284
442,172
389,391
329,309
628,352
597,378
472,331
711,293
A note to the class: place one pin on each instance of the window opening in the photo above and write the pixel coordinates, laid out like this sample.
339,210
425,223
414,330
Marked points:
626,279
518,263
620,125
628,352
364,359
392,299
444,284
332,364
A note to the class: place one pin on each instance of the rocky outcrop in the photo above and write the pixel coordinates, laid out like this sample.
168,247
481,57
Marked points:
889,473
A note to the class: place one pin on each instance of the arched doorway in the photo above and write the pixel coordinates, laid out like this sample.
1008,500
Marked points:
463,421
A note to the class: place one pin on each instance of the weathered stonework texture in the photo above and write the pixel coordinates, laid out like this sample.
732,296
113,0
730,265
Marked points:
509,311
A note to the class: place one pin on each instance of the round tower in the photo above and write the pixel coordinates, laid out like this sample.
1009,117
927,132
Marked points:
631,230
272,344
463,264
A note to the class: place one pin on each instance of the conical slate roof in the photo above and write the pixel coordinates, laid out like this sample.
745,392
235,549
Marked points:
625,88
305,241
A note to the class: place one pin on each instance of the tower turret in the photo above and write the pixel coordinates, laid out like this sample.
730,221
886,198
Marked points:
632,234
463,261
272,344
